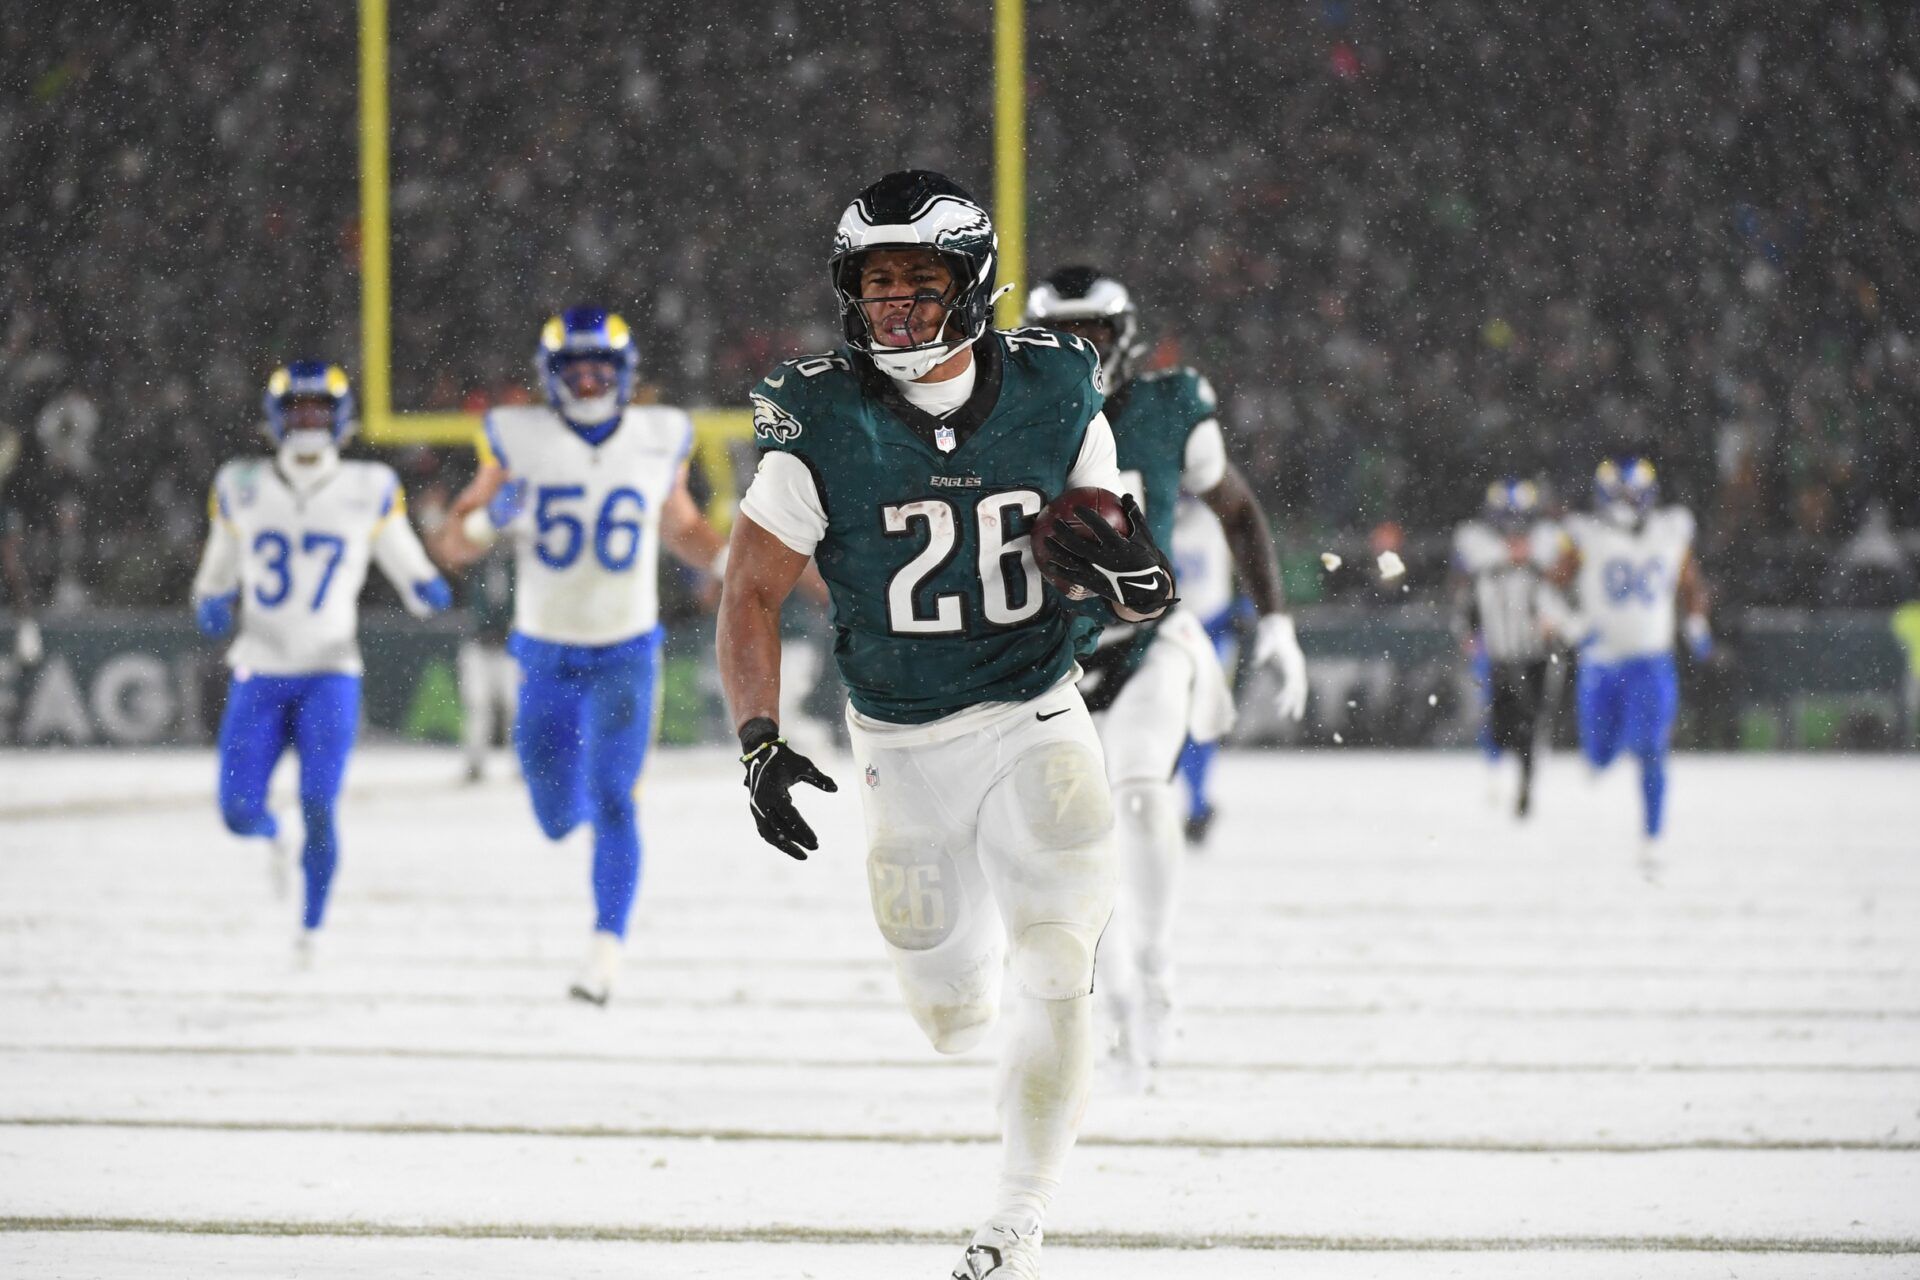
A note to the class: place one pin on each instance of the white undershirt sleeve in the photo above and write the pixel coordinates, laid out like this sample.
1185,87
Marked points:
784,501
1099,462
1205,463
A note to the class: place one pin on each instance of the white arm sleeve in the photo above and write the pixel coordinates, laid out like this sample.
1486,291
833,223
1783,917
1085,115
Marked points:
397,550
785,502
219,572
1099,462
1205,463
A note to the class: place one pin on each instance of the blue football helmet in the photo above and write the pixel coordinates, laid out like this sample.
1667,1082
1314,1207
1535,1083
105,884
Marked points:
1625,488
586,333
309,380
1512,504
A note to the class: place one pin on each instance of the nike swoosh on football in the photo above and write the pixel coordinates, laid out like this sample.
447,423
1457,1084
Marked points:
1051,714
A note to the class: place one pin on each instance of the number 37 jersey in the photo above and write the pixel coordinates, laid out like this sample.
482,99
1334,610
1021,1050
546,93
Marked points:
587,545
298,561
1628,578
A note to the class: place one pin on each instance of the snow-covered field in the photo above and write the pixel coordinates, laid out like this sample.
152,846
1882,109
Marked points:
1419,1040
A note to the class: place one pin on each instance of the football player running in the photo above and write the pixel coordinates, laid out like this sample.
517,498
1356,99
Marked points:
1631,560
910,464
588,488
286,555
1154,684
1501,612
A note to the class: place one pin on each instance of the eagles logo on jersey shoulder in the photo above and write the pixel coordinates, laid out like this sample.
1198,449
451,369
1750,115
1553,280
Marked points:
773,423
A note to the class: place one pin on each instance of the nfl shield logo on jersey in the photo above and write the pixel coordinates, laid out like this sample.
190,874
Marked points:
873,776
943,436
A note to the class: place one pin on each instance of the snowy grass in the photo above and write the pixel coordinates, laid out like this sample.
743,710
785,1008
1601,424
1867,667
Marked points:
1418,1039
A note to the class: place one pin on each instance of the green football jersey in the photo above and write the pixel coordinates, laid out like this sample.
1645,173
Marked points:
937,602
1153,417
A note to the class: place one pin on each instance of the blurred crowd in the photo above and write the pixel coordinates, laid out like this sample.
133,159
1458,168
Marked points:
1415,246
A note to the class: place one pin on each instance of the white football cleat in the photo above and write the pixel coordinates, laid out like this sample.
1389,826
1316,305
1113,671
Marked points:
1647,859
1001,1253
595,980
306,950
283,852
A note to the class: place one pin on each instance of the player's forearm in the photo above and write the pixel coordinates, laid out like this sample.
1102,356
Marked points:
1250,539
747,645
401,557
219,571
688,535
1693,591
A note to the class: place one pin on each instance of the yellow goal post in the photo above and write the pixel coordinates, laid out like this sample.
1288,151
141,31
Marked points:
716,431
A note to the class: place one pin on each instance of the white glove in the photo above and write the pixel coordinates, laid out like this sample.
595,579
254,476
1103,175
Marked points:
1275,644
26,642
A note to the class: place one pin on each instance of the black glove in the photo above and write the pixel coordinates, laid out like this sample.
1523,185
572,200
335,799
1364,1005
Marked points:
773,768
1128,570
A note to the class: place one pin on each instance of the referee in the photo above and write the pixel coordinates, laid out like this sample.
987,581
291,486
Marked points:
1500,561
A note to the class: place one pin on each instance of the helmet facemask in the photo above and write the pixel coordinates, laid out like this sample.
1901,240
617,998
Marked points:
919,211
1625,491
587,361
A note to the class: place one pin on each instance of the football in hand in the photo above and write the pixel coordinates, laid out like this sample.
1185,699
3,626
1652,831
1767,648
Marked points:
1063,509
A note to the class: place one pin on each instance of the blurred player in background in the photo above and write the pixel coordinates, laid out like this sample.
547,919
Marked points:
1500,563
288,549
1631,559
911,464
1154,684
589,488
489,677
27,643
1203,566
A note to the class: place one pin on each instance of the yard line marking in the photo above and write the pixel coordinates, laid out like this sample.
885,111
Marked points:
795,1234
695,1133
927,1062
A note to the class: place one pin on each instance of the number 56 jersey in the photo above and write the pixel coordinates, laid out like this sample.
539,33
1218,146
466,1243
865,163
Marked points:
298,560
587,544
1628,578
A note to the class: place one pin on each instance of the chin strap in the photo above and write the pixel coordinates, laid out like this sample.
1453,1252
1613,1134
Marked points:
912,368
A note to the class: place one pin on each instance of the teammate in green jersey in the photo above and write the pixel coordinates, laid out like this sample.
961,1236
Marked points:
910,465
1153,685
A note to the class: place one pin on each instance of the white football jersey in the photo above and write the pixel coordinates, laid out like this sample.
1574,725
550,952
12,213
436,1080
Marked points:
1508,592
299,561
1628,578
587,543
1202,561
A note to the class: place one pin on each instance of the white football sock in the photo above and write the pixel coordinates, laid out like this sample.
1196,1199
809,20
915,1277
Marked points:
1045,1076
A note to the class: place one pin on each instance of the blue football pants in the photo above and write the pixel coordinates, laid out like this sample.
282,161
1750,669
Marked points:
318,716
1630,706
584,724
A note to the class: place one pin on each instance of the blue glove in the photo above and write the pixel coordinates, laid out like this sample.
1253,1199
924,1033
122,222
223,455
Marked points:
214,614
509,502
434,593
1699,636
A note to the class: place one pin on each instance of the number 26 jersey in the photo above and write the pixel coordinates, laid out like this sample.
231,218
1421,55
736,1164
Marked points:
587,536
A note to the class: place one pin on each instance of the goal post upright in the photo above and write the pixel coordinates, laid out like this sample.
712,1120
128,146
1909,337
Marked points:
376,346
1010,154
